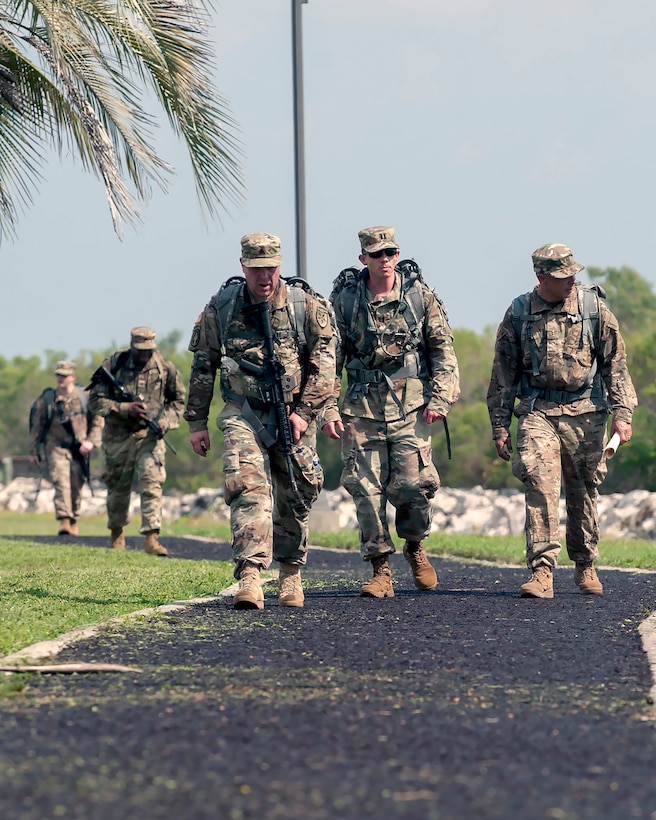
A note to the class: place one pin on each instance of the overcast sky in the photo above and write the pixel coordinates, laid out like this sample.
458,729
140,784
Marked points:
479,129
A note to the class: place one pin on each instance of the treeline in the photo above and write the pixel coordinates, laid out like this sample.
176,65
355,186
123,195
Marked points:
474,460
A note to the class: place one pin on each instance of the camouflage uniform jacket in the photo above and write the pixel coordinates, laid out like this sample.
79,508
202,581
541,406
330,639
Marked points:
159,385
213,349
86,426
391,356
565,355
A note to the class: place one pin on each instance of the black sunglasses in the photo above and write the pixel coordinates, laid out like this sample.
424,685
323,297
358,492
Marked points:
388,252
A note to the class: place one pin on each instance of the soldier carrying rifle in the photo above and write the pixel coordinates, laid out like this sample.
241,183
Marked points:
141,396
272,341
63,432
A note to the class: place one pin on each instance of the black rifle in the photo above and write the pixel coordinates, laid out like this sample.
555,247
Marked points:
82,460
274,383
103,375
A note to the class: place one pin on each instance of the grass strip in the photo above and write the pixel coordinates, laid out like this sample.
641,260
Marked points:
47,590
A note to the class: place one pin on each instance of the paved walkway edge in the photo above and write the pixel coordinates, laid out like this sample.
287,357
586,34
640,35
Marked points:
46,650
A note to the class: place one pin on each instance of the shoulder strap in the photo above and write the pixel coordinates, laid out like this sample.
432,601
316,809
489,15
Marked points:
521,318
225,301
590,310
411,293
296,290
346,283
48,396
83,397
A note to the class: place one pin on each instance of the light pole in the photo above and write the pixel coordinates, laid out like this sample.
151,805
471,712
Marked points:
299,148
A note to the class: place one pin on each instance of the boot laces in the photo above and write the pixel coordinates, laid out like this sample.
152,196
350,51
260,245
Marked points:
291,584
588,574
416,554
250,579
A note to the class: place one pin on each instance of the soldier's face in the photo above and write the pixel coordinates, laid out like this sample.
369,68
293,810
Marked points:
65,383
381,264
261,282
555,290
141,357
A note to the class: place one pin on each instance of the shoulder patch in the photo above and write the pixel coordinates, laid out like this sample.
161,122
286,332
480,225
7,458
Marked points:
195,335
323,319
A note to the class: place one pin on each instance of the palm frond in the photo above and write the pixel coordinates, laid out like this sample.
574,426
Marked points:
76,73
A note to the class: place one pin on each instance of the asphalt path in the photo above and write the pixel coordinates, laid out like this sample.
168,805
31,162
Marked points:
465,702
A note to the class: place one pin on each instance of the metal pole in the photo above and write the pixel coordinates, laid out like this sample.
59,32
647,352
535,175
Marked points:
299,148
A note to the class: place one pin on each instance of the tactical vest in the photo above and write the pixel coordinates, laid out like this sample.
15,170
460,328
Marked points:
589,311
225,302
350,285
226,299
48,396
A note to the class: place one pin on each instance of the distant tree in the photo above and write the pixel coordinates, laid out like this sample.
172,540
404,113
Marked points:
82,76
630,297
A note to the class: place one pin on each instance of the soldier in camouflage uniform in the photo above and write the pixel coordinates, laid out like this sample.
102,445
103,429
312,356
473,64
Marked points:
567,364
56,431
402,377
131,449
268,519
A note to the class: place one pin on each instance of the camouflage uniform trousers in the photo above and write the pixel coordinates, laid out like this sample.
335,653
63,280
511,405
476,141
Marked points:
548,447
135,455
67,479
267,520
389,461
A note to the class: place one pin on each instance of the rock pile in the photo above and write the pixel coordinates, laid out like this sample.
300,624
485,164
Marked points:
477,510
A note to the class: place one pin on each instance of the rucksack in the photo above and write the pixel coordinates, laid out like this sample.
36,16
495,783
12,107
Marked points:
48,396
589,310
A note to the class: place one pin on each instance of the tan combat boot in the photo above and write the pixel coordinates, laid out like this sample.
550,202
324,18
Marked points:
250,595
380,585
540,585
290,588
74,529
64,527
117,539
423,573
152,545
585,578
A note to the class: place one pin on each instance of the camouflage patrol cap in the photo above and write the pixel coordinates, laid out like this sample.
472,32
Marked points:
64,368
377,239
142,338
555,260
260,250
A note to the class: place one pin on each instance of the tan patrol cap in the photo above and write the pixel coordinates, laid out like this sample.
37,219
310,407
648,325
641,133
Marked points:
377,239
142,338
260,250
556,261
64,368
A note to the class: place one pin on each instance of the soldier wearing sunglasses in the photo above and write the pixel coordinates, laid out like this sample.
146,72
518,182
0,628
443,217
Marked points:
396,345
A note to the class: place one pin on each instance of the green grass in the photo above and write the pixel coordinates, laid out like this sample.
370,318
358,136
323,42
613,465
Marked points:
46,590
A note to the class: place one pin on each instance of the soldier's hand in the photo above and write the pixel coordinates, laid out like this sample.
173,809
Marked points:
504,447
298,425
333,429
623,430
85,447
137,410
200,442
430,415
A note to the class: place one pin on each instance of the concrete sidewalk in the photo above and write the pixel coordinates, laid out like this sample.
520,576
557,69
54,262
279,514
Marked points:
463,702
